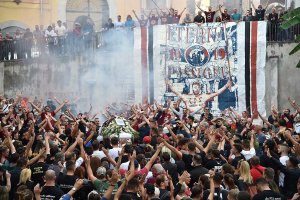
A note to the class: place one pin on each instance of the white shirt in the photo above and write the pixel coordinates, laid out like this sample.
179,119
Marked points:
98,154
119,24
283,160
297,127
248,154
60,30
50,33
124,166
114,152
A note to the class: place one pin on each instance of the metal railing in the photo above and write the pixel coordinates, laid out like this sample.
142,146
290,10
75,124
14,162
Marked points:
73,45
276,34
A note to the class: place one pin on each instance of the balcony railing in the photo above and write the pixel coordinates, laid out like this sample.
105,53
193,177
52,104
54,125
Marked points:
70,45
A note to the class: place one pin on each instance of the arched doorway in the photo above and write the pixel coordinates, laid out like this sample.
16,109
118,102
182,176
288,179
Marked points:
98,11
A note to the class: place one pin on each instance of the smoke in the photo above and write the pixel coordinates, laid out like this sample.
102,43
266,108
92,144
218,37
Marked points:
109,76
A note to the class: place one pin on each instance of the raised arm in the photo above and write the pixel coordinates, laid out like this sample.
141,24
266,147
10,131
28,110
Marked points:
264,120
220,91
253,5
31,140
182,12
61,106
110,159
136,15
200,8
168,83
113,180
128,176
35,107
89,169
220,9
173,149
154,157
294,105
267,4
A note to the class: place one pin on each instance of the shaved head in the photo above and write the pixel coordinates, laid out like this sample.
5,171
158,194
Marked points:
50,175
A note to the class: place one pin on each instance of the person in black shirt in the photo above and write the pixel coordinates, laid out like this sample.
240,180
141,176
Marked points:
170,167
67,181
273,19
38,170
248,17
265,192
199,19
260,12
225,16
291,172
236,151
50,191
197,170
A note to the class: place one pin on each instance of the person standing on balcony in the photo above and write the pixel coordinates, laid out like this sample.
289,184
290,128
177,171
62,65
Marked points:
118,24
60,31
235,16
88,33
273,20
187,20
153,19
50,37
248,17
39,39
28,40
142,21
176,17
225,15
199,19
8,47
163,18
129,24
209,15
18,45
260,11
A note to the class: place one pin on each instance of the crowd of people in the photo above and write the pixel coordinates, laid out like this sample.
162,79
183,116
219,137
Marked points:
57,40
52,152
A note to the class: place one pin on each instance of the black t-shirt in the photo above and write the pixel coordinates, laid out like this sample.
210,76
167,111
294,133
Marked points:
187,159
225,17
66,182
51,193
153,21
210,16
260,14
218,195
273,18
199,19
236,160
132,195
38,170
268,194
216,163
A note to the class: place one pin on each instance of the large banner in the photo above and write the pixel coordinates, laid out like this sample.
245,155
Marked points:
215,65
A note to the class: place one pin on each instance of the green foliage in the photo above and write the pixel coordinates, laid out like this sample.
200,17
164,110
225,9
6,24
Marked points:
291,19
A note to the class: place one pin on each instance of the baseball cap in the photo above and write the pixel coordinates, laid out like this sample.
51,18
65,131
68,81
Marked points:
101,171
147,139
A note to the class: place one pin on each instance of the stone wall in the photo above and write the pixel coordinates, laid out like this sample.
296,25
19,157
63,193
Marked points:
70,78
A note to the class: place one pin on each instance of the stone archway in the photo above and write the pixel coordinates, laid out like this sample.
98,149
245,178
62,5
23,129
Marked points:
98,10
